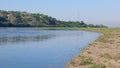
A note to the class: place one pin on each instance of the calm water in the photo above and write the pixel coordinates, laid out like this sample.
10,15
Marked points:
36,48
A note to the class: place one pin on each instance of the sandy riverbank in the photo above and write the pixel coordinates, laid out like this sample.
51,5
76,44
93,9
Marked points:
103,53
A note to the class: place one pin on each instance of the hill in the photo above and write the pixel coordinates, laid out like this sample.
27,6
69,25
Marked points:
24,19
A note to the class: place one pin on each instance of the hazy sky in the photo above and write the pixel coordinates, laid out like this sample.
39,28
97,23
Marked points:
90,11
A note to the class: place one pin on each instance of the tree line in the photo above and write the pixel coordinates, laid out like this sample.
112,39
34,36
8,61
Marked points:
24,19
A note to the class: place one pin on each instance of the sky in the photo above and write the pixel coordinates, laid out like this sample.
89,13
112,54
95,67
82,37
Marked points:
105,12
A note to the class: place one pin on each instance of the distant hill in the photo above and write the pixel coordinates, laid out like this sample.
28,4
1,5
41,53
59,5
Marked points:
24,19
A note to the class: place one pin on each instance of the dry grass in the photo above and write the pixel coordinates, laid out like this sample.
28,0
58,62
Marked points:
103,53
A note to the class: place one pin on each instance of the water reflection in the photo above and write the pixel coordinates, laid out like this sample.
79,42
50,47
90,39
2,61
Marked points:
22,39
23,35
43,48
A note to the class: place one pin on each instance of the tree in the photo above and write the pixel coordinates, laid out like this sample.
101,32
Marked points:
2,19
83,24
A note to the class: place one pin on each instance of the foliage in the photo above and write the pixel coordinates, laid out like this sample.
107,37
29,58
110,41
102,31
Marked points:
19,19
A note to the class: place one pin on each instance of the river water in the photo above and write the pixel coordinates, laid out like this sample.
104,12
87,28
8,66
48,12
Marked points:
37,48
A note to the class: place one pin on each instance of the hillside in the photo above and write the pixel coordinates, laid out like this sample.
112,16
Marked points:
24,19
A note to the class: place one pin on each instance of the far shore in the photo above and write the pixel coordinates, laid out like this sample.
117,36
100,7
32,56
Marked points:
103,53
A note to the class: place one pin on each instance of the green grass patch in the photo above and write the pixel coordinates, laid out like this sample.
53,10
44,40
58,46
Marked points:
97,66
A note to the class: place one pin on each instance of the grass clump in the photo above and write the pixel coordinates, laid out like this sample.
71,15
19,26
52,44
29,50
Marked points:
85,60
81,61
106,55
97,66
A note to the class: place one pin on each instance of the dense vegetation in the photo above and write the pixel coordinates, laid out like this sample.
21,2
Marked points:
24,19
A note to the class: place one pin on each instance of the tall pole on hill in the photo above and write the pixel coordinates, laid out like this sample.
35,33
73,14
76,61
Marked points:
78,15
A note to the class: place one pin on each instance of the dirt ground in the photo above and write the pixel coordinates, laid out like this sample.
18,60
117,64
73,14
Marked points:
103,53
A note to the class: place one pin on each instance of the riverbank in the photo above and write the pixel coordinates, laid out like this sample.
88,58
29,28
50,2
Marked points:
103,53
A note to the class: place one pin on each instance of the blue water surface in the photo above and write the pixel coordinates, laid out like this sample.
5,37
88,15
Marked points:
37,48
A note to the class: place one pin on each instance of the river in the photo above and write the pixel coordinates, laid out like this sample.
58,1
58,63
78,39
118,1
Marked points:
37,48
